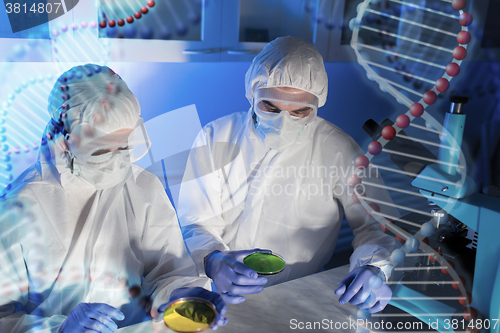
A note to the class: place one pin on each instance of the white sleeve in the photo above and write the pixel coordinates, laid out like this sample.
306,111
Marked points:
14,277
371,245
200,203
168,265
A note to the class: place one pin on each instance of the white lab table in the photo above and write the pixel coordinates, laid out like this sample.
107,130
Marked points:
283,307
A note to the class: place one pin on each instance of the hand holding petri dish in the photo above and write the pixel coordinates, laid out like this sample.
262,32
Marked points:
190,315
265,263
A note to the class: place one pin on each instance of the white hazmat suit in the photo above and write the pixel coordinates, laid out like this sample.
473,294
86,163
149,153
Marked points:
239,194
73,234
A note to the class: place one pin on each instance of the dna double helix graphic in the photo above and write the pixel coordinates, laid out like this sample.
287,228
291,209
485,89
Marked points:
147,20
412,50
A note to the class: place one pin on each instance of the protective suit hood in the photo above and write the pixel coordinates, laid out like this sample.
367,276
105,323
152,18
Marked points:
94,96
288,62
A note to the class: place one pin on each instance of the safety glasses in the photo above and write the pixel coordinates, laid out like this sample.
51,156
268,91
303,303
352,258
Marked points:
89,145
295,101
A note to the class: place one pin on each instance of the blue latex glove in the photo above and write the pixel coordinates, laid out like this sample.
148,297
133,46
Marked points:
364,287
231,277
215,298
92,317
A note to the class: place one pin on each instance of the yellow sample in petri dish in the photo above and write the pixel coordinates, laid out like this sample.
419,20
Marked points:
190,315
265,263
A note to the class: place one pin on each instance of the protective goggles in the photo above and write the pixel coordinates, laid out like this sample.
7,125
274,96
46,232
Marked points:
88,143
294,100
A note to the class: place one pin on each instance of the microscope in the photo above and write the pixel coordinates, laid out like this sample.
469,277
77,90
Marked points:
451,192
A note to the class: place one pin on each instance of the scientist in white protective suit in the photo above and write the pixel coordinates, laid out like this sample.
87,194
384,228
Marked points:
89,241
276,178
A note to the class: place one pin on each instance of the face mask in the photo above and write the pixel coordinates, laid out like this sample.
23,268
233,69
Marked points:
104,171
280,130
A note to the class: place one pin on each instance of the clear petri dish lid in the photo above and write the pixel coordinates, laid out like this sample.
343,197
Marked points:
190,315
265,263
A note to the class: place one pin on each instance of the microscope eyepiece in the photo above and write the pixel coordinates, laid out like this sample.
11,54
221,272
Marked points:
457,104
459,99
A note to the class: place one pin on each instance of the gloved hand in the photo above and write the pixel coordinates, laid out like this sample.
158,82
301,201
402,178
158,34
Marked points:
215,298
92,317
365,287
231,277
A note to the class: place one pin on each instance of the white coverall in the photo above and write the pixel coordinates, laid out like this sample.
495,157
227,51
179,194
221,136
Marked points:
239,195
64,242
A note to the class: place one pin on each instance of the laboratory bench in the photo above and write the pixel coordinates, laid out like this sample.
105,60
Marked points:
296,306
286,307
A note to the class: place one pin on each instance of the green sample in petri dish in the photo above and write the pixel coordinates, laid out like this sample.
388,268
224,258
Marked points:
189,314
265,263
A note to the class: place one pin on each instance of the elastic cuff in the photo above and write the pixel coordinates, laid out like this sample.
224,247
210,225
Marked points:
385,270
377,270
172,294
208,262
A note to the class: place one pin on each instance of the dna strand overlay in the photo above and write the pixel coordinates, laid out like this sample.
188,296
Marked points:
22,221
412,50
23,119
150,20
23,114
78,42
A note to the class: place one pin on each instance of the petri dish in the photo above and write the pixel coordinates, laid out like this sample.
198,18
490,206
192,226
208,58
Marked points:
265,263
189,315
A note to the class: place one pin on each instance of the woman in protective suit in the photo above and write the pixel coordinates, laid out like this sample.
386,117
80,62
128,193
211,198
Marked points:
87,236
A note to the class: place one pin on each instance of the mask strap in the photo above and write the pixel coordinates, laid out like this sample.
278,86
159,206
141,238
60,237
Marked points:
254,115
